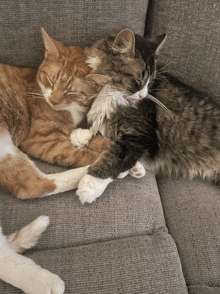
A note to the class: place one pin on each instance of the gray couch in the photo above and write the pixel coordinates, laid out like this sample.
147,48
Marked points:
149,235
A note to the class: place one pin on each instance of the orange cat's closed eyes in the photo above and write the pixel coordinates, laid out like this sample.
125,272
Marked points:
38,111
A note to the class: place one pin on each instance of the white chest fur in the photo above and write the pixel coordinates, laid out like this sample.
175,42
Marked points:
104,105
77,112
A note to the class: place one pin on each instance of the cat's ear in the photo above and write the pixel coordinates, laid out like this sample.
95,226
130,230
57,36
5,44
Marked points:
98,79
158,41
125,42
52,47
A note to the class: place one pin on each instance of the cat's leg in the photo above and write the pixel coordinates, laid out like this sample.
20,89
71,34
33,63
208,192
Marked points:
80,138
22,272
57,148
23,179
117,159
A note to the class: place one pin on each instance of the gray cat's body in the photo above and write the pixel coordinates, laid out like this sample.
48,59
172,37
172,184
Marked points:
185,143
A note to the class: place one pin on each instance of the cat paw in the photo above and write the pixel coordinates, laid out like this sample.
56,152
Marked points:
90,188
138,171
123,175
80,137
48,283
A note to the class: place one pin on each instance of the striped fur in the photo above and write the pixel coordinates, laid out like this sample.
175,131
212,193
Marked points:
38,111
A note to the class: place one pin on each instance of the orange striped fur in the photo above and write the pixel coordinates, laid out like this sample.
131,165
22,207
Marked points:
38,111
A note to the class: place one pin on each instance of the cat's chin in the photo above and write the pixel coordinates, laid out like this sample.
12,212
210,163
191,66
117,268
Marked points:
57,107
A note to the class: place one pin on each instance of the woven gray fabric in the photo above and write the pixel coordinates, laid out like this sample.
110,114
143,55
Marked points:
128,207
146,264
191,211
203,290
74,22
192,49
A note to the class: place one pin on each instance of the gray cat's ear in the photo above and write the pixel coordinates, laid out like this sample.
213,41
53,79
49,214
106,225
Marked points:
125,42
98,79
52,47
158,41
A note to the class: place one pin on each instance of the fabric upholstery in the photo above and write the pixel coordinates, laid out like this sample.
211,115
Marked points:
192,48
145,264
128,207
119,244
203,290
191,211
76,22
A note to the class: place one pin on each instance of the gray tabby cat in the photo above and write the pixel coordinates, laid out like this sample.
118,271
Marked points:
183,141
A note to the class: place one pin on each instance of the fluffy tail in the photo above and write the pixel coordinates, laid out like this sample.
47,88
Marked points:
28,236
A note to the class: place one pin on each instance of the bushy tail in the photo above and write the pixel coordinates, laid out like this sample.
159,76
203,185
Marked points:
28,236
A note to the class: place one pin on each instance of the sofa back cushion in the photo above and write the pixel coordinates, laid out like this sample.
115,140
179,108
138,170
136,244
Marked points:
75,22
192,49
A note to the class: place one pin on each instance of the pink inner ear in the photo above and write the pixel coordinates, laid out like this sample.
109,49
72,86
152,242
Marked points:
49,44
127,38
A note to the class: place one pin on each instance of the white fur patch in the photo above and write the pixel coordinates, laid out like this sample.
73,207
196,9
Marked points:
93,62
123,175
138,171
104,105
28,235
142,93
67,180
90,188
80,137
7,147
77,112
46,92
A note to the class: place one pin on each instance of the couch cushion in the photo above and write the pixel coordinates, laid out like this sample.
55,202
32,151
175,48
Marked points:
192,48
128,207
203,290
192,215
76,22
146,264
119,244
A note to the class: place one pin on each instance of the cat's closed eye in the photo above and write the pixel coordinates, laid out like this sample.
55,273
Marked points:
46,80
138,82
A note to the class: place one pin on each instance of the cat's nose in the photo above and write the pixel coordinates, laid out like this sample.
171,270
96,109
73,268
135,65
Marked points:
55,99
54,102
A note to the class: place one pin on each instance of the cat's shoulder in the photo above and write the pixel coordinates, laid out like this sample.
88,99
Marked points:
26,73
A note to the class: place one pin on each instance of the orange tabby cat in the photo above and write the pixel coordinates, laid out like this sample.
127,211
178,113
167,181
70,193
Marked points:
38,111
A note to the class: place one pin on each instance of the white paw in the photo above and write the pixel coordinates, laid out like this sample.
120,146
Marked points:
25,274
123,175
138,171
90,188
52,284
28,236
80,137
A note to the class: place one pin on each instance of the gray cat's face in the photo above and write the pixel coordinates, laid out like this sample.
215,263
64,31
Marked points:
128,59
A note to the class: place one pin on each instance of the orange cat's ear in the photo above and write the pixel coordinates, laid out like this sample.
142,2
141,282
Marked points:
98,79
125,42
52,47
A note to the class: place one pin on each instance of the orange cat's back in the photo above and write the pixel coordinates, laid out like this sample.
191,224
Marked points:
13,101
